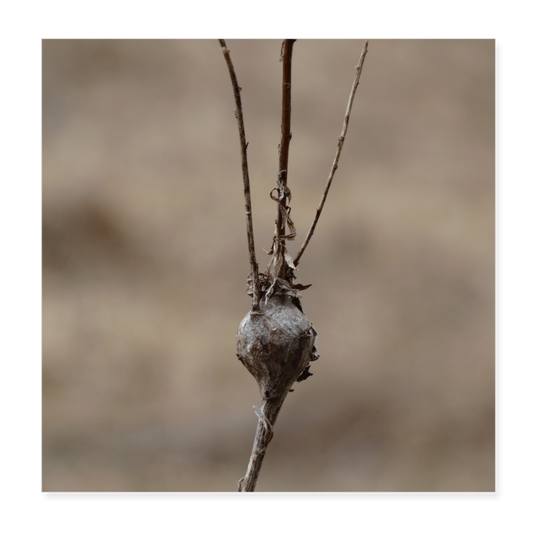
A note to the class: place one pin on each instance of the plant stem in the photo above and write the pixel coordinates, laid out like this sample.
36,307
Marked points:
245,176
358,70
267,415
286,109
284,145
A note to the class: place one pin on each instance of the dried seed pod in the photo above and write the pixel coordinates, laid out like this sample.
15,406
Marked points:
276,345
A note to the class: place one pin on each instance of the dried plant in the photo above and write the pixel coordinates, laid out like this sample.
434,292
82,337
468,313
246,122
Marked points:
275,340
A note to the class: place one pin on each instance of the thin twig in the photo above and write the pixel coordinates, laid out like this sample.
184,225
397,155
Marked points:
267,416
285,111
284,191
358,70
245,176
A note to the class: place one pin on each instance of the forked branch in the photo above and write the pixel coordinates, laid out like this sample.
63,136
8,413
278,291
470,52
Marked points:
358,70
245,176
276,342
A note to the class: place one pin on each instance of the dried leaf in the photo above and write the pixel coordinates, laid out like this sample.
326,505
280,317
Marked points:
271,251
305,374
284,191
289,260
270,290
283,286
301,287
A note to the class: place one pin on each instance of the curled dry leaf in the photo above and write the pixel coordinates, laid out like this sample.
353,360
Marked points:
283,193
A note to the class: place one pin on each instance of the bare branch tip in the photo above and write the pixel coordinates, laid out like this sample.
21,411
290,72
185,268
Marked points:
340,143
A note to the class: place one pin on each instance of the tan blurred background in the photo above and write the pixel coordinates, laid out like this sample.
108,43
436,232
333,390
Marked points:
145,262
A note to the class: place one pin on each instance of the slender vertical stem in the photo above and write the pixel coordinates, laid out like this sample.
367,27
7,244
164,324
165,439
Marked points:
267,415
358,70
285,141
286,109
245,176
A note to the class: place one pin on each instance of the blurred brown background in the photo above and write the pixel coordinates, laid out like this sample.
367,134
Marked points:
145,263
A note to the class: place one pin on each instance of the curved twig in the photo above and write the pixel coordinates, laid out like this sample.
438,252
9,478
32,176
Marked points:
245,176
358,70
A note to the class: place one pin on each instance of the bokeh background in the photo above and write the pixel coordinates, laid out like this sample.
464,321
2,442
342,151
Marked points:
145,263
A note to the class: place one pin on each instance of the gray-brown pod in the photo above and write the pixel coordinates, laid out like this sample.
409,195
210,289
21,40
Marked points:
277,345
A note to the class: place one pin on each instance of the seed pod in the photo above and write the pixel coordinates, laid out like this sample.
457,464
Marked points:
276,345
